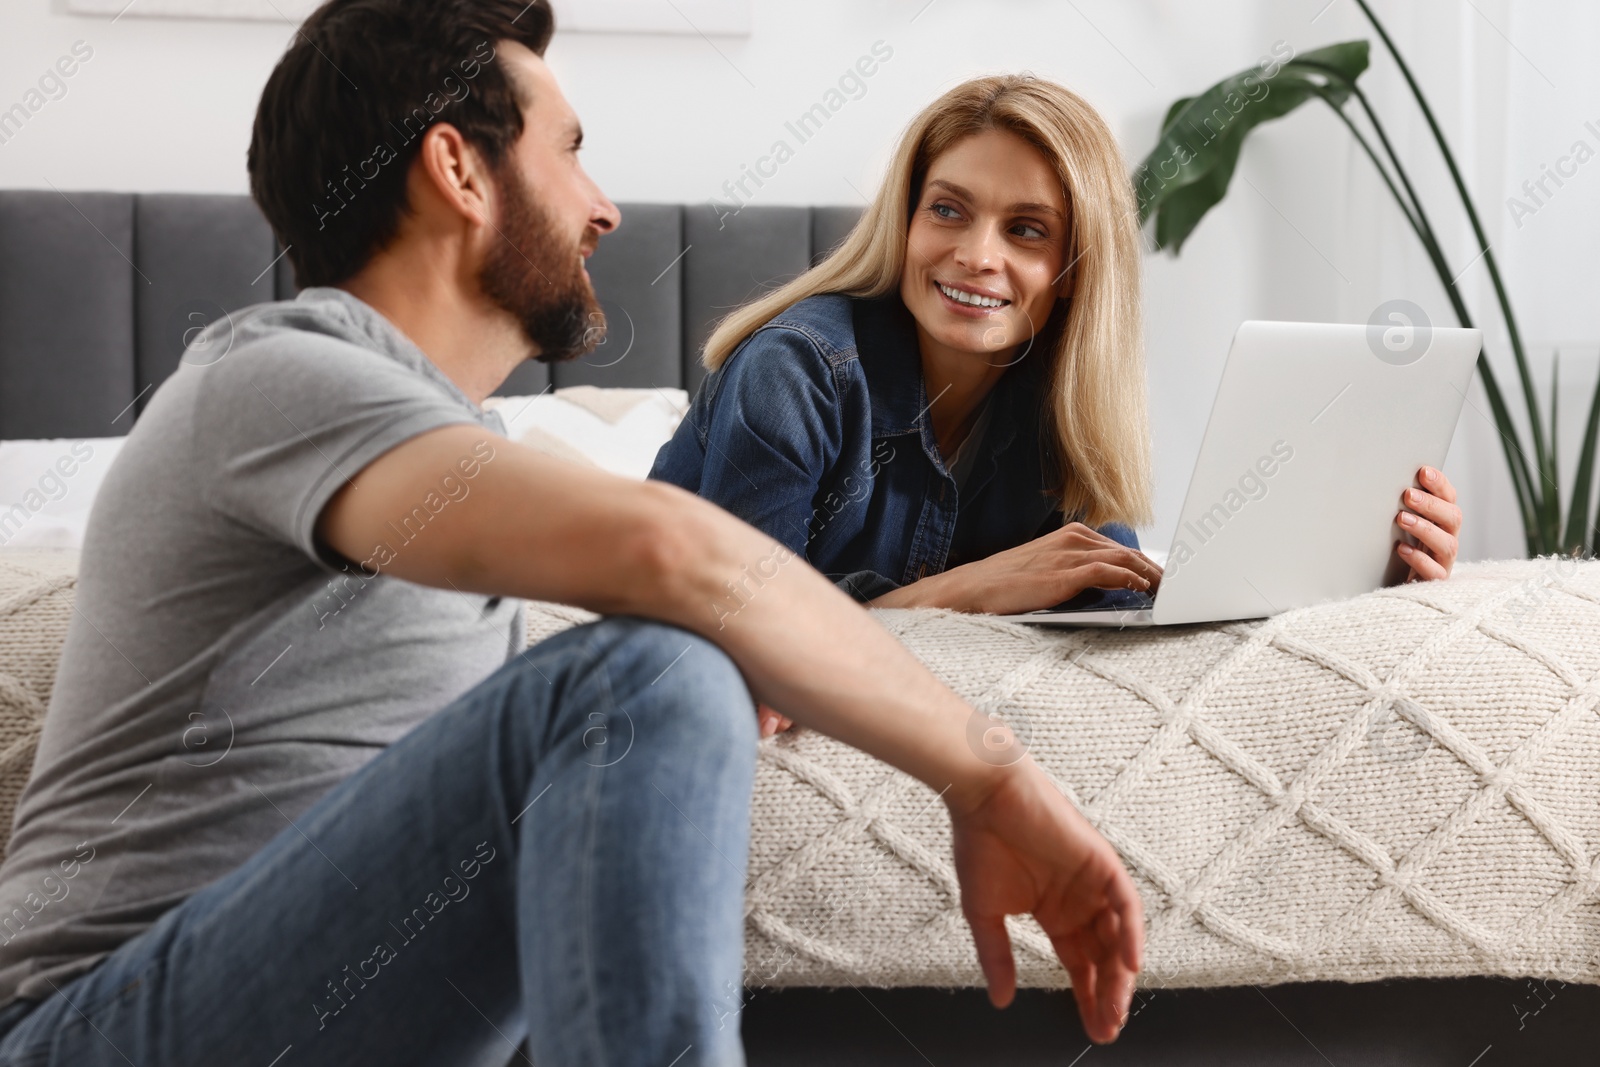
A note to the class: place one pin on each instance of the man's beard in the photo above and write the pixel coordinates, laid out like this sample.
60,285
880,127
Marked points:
539,278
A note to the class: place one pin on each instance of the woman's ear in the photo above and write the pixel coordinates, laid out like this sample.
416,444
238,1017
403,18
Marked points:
1072,251
1066,281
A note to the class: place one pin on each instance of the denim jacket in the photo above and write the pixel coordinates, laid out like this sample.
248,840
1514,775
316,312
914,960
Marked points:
816,431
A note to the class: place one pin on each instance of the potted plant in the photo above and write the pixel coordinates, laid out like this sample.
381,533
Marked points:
1188,171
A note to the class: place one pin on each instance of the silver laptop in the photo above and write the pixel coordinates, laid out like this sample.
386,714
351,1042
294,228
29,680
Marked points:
1315,432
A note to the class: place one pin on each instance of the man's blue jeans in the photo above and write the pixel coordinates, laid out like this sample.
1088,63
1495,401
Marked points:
558,856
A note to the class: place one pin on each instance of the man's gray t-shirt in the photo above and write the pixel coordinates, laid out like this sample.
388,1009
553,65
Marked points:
223,670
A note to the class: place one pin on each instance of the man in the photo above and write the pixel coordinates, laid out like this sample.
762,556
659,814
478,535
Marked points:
302,798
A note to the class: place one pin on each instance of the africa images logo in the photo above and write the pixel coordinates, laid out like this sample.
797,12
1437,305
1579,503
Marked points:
1399,332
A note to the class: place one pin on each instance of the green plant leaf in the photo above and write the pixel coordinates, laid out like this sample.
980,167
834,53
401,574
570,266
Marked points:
1580,533
1187,173
1553,477
1172,112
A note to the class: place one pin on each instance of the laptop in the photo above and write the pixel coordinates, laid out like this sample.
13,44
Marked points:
1315,432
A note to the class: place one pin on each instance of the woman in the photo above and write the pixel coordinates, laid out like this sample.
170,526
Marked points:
949,410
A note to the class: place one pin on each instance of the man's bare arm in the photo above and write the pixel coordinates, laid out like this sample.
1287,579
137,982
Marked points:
535,527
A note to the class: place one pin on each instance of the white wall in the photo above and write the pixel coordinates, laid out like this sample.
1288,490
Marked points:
167,105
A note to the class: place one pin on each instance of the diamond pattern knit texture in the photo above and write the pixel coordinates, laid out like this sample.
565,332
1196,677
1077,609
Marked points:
1406,783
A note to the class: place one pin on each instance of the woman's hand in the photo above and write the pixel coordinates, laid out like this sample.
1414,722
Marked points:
770,721
1435,521
1026,849
1039,574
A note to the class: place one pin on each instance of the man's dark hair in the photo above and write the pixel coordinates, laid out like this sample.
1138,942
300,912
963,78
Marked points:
342,117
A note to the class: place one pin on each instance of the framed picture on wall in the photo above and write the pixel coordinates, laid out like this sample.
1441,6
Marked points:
721,17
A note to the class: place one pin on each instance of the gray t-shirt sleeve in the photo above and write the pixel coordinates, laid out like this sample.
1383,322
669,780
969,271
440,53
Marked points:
285,427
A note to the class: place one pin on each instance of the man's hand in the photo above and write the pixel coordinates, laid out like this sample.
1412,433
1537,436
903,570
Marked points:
1036,574
1025,848
1435,521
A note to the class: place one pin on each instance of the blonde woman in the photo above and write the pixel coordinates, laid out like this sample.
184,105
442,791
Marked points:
950,409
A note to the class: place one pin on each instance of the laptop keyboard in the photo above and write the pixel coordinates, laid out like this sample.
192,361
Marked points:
1107,600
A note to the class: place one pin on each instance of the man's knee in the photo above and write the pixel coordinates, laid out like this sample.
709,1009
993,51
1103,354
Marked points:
685,671
641,667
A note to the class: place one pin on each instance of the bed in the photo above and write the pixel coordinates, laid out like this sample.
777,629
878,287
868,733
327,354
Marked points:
1365,832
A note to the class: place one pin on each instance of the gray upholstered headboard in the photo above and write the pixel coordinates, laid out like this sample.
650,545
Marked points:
98,292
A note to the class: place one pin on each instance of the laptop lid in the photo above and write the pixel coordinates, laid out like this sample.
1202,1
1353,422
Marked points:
1315,432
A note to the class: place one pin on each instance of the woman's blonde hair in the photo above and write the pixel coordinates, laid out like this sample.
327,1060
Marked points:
1097,414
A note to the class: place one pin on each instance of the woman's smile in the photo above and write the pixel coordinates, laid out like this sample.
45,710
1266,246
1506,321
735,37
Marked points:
969,300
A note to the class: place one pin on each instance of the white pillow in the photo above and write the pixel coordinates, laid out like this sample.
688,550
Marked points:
47,487
618,430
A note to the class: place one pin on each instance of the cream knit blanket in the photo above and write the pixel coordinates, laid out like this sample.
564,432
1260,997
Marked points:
1402,784
36,591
